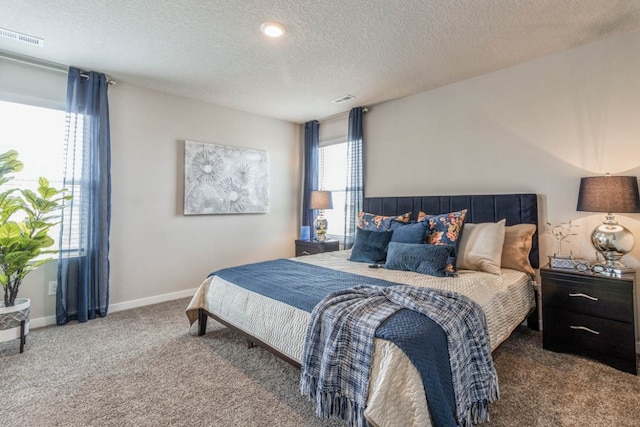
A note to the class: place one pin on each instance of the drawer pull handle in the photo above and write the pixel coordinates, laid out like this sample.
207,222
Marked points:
584,296
306,253
584,328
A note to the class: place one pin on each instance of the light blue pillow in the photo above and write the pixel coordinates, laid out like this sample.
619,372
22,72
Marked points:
370,246
421,258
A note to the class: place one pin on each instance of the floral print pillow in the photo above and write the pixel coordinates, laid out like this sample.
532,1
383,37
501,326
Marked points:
373,222
445,229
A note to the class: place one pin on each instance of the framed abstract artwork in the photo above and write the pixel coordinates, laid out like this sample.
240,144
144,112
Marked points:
222,179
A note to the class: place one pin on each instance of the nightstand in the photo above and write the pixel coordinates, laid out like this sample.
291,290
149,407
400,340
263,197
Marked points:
591,315
311,247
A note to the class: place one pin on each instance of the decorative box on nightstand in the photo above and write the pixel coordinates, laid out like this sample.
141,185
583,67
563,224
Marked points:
311,247
589,314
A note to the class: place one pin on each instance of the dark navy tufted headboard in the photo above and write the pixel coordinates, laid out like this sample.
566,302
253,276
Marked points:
515,208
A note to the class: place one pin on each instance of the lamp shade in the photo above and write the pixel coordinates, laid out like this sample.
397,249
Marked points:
321,200
611,194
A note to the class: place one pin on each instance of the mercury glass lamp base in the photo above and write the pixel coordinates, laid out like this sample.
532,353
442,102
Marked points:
615,269
616,272
320,225
613,241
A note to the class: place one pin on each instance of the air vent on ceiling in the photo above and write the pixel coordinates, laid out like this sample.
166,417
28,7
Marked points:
19,37
343,99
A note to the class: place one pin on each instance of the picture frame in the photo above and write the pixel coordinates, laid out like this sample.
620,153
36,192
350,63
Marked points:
224,179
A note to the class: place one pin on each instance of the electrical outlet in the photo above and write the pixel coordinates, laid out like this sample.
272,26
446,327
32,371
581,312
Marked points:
53,287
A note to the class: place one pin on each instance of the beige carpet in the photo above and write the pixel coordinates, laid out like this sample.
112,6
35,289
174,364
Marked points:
143,367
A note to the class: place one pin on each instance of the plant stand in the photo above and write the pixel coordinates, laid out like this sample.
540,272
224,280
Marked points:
14,321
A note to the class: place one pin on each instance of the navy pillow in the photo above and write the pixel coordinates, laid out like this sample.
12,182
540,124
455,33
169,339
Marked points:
414,232
421,258
370,246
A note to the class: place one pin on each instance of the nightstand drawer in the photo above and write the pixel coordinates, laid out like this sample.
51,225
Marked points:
307,247
568,331
611,302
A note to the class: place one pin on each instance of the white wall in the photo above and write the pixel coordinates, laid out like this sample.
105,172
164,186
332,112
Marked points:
536,127
154,248
156,252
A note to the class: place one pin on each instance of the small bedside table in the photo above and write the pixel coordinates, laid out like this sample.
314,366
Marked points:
591,315
311,247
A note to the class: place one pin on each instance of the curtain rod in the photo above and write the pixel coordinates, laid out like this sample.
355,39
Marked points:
335,116
41,63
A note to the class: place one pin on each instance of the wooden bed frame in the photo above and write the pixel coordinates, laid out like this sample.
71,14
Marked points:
515,208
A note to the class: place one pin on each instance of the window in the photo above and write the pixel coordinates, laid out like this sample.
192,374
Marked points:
37,134
333,177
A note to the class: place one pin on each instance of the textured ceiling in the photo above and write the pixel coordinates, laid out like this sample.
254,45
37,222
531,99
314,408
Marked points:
375,50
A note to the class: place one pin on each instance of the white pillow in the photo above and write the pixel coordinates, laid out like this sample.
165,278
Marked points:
480,247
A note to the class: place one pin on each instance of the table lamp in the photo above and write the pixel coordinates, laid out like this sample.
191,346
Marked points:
321,200
610,194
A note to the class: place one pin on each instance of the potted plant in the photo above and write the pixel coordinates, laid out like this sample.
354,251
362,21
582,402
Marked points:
26,217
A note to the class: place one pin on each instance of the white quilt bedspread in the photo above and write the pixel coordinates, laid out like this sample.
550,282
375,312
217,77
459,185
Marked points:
396,394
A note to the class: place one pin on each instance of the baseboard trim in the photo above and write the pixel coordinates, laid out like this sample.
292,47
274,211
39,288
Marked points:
151,300
41,322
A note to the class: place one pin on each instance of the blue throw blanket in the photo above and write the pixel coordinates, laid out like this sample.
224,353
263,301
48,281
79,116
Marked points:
304,286
339,349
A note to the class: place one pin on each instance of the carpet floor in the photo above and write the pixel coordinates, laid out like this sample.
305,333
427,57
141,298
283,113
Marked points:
145,367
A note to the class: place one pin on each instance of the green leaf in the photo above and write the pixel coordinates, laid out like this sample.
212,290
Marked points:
10,231
7,211
41,233
9,163
43,182
46,242
10,155
31,198
46,205
5,194
18,258
47,192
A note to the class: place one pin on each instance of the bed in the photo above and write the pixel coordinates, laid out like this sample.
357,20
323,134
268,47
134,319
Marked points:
396,394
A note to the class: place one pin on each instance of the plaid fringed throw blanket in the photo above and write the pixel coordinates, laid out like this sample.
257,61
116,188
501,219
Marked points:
339,348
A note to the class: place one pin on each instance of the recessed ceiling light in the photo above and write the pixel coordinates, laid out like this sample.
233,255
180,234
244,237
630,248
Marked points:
272,29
